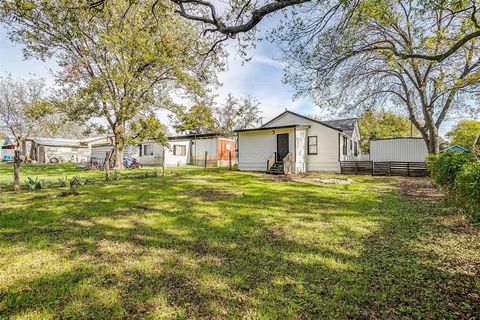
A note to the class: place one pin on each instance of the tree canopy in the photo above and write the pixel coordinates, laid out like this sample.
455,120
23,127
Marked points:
120,61
383,124
350,63
464,133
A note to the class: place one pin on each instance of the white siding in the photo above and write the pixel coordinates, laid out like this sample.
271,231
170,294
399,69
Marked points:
100,151
288,119
177,160
199,146
156,158
327,145
402,149
255,147
301,152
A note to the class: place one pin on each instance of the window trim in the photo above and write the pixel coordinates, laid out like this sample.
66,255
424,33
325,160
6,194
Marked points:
145,153
182,148
312,145
345,148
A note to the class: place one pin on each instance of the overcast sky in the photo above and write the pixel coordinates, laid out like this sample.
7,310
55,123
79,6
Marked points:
261,77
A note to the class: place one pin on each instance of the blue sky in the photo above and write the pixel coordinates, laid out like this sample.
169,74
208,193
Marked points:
260,77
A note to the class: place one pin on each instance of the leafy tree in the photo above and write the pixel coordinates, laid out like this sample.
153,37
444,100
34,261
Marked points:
383,124
120,60
19,111
236,113
356,60
464,133
147,127
197,120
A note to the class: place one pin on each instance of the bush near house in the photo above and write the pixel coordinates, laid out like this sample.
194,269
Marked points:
458,174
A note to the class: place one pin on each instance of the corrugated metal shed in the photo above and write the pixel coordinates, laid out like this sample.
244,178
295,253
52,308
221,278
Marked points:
398,149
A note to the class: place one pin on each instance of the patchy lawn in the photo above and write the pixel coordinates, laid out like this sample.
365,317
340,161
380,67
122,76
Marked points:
220,244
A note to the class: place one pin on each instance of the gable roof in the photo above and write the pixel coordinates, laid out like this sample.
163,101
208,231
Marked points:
347,125
456,148
301,116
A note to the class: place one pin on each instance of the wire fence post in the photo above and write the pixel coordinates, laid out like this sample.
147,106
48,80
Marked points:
163,161
230,160
206,154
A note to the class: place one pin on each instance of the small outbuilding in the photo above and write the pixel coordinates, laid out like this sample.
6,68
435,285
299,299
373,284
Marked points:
46,150
407,149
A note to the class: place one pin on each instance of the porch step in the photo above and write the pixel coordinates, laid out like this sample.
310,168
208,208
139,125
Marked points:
277,168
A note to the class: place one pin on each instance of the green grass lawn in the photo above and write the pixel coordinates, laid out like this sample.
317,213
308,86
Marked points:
229,245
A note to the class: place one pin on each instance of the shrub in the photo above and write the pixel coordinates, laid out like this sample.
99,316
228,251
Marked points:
62,182
35,184
445,167
75,183
467,185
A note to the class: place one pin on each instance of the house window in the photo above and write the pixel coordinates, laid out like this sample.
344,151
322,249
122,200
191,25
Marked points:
179,150
345,146
148,149
312,145
350,143
355,151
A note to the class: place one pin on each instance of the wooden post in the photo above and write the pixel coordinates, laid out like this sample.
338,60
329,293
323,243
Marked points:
107,165
230,160
206,154
163,161
16,171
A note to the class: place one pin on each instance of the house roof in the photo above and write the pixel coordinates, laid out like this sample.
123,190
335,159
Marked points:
200,136
6,142
272,128
59,142
456,148
301,116
346,125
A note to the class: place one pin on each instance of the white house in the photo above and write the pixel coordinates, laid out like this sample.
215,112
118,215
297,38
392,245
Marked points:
178,151
293,143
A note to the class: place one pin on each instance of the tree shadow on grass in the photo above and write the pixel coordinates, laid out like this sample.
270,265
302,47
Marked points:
275,251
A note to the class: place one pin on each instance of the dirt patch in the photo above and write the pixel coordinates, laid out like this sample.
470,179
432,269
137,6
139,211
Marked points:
419,188
212,194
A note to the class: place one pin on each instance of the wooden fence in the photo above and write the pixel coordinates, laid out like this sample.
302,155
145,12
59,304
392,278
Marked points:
390,168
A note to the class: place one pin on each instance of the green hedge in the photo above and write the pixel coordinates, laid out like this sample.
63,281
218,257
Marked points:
459,175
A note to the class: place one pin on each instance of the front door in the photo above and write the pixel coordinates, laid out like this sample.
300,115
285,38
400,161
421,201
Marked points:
282,146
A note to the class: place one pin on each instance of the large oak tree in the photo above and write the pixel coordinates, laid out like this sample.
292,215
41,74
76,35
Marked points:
120,60
351,62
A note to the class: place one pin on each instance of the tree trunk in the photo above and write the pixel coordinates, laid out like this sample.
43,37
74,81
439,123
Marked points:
434,141
118,154
118,146
107,165
16,171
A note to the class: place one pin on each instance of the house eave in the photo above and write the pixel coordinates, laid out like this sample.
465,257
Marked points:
297,126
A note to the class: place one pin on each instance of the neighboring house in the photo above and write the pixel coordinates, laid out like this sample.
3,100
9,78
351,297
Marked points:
456,148
179,150
46,150
405,149
293,143
7,149
219,148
